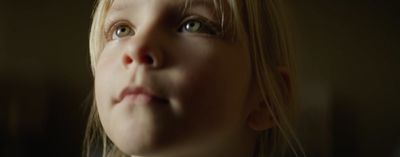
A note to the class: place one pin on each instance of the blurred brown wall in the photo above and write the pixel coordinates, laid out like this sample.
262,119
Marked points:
349,59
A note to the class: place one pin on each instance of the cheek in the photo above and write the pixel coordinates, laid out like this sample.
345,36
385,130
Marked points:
213,86
101,85
105,79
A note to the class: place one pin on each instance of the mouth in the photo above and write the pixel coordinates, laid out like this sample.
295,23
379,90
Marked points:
140,96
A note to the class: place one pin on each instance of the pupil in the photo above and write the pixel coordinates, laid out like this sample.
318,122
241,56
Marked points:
192,26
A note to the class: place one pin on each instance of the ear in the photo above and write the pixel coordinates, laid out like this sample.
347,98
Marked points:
260,117
284,74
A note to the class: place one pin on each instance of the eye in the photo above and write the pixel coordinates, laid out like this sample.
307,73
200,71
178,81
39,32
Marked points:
122,31
198,26
192,26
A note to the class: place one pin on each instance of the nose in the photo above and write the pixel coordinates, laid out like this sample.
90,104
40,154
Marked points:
143,53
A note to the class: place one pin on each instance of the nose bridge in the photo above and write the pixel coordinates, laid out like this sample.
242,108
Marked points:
151,26
145,47
147,35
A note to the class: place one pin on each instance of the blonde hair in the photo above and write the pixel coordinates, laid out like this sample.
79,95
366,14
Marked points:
265,31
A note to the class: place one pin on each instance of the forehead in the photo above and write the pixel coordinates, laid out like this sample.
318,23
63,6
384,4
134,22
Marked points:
119,5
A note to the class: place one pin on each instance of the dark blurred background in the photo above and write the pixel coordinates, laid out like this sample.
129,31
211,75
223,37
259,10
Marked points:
45,77
348,68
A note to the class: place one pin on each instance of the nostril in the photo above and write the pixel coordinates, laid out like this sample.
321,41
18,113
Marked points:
148,59
127,59
144,59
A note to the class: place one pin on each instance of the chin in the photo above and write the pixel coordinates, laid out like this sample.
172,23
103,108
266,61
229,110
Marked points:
139,142
136,146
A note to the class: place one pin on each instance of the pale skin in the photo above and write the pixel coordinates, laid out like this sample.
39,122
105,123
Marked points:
200,96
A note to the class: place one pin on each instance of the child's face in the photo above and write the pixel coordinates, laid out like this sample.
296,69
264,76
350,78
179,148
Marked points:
187,86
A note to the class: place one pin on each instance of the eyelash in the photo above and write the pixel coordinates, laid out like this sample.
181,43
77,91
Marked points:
211,27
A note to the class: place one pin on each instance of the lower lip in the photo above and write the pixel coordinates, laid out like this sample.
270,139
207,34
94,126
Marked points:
141,99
